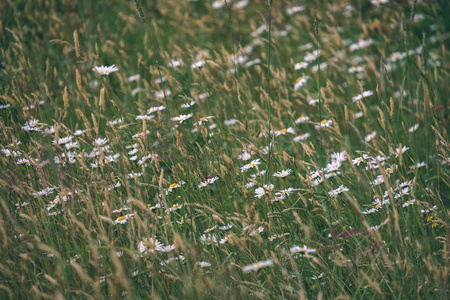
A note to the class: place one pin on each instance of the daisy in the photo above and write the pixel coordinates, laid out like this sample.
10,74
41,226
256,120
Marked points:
256,231
182,118
175,63
301,81
150,245
175,207
365,94
312,56
208,239
198,64
208,181
370,136
286,192
134,78
301,119
300,65
302,137
123,219
357,160
203,120
413,128
338,191
203,264
378,2
324,123
303,249
258,265
155,108
283,173
188,104
410,202
253,164
104,70
284,131
244,156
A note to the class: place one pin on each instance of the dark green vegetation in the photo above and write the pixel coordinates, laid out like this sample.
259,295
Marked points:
158,179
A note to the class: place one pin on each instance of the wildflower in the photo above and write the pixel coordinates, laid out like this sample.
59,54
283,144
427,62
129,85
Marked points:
338,191
324,123
173,186
204,264
410,202
32,125
182,118
357,69
312,102
208,239
284,131
104,70
150,245
144,117
312,56
370,136
361,44
230,122
163,93
155,108
203,120
249,185
358,160
208,181
398,151
188,104
303,249
256,231
301,81
149,156
315,178
358,114
258,174
198,64
285,192
301,119
226,227
134,77
175,63
378,2
365,94
302,137
244,156
175,207
253,164
413,128
123,219
252,63
219,3
283,173
210,229
258,265
300,65
272,237
261,191
72,145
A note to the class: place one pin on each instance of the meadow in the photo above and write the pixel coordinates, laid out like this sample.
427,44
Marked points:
206,149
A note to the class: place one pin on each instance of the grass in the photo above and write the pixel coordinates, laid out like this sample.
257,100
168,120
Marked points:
163,185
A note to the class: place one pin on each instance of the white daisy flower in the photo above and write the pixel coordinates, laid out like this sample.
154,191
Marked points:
104,70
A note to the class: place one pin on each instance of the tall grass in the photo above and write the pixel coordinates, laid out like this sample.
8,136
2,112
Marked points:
154,181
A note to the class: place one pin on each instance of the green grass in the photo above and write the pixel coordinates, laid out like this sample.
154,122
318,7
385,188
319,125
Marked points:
369,229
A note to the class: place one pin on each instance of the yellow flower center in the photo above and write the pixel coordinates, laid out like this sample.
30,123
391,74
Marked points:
283,130
121,218
176,206
298,79
173,185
